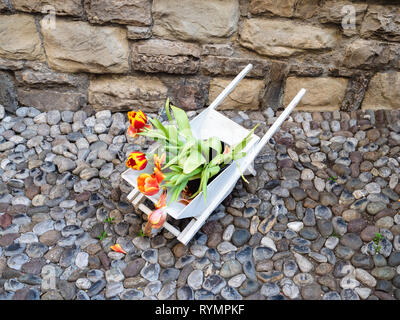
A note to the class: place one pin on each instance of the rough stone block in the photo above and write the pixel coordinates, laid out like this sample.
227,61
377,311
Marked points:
383,92
47,99
8,95
19,38
245,96
285,38
323,93
75,46
132,12
166,56
193,20
381,21
122,92
61,7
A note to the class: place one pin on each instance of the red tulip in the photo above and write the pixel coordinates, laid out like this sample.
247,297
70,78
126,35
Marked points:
138,121
136,160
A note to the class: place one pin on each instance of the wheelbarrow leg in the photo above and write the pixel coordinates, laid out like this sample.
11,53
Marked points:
137,198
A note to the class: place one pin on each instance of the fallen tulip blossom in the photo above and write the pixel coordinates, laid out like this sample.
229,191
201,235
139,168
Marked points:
117,248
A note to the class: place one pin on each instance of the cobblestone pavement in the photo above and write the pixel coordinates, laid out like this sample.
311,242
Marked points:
319,221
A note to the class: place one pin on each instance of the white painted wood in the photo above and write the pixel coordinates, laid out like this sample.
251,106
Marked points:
230,87
132,194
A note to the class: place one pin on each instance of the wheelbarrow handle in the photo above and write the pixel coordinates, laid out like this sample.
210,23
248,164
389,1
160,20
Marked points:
230,87
271,131
245,162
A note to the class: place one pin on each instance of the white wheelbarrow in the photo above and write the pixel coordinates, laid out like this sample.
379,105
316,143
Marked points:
207,124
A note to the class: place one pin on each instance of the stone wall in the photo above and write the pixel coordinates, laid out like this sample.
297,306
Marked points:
123,54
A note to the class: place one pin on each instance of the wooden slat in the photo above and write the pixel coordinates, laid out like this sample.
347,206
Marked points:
133,194
138,200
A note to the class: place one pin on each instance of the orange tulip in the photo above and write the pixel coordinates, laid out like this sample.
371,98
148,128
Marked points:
138,121
157,218
148,184
158,175
117,248
136,160
162,201
158,162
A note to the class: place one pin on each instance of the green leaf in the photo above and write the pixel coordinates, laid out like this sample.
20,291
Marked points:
213,143
157,124
241,173
194,160
158,134
242,144
171,162
213,171
217,160
176,168
238,155
167,110
204,184
188,145
182,121
173,136
176,191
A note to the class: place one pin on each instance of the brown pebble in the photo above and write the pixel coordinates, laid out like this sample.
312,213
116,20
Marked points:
5,220
50,238
266,265
355,170
388,212
356,226
328,281
350,215
234,212
84,196
105,261
93,248
384,295
323,269
214,239
373,134
212,227
395,229
8,239
309,203
179,250
32,191
368,233
366,166
338,209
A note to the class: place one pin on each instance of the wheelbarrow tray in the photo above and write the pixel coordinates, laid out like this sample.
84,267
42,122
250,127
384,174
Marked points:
209,123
